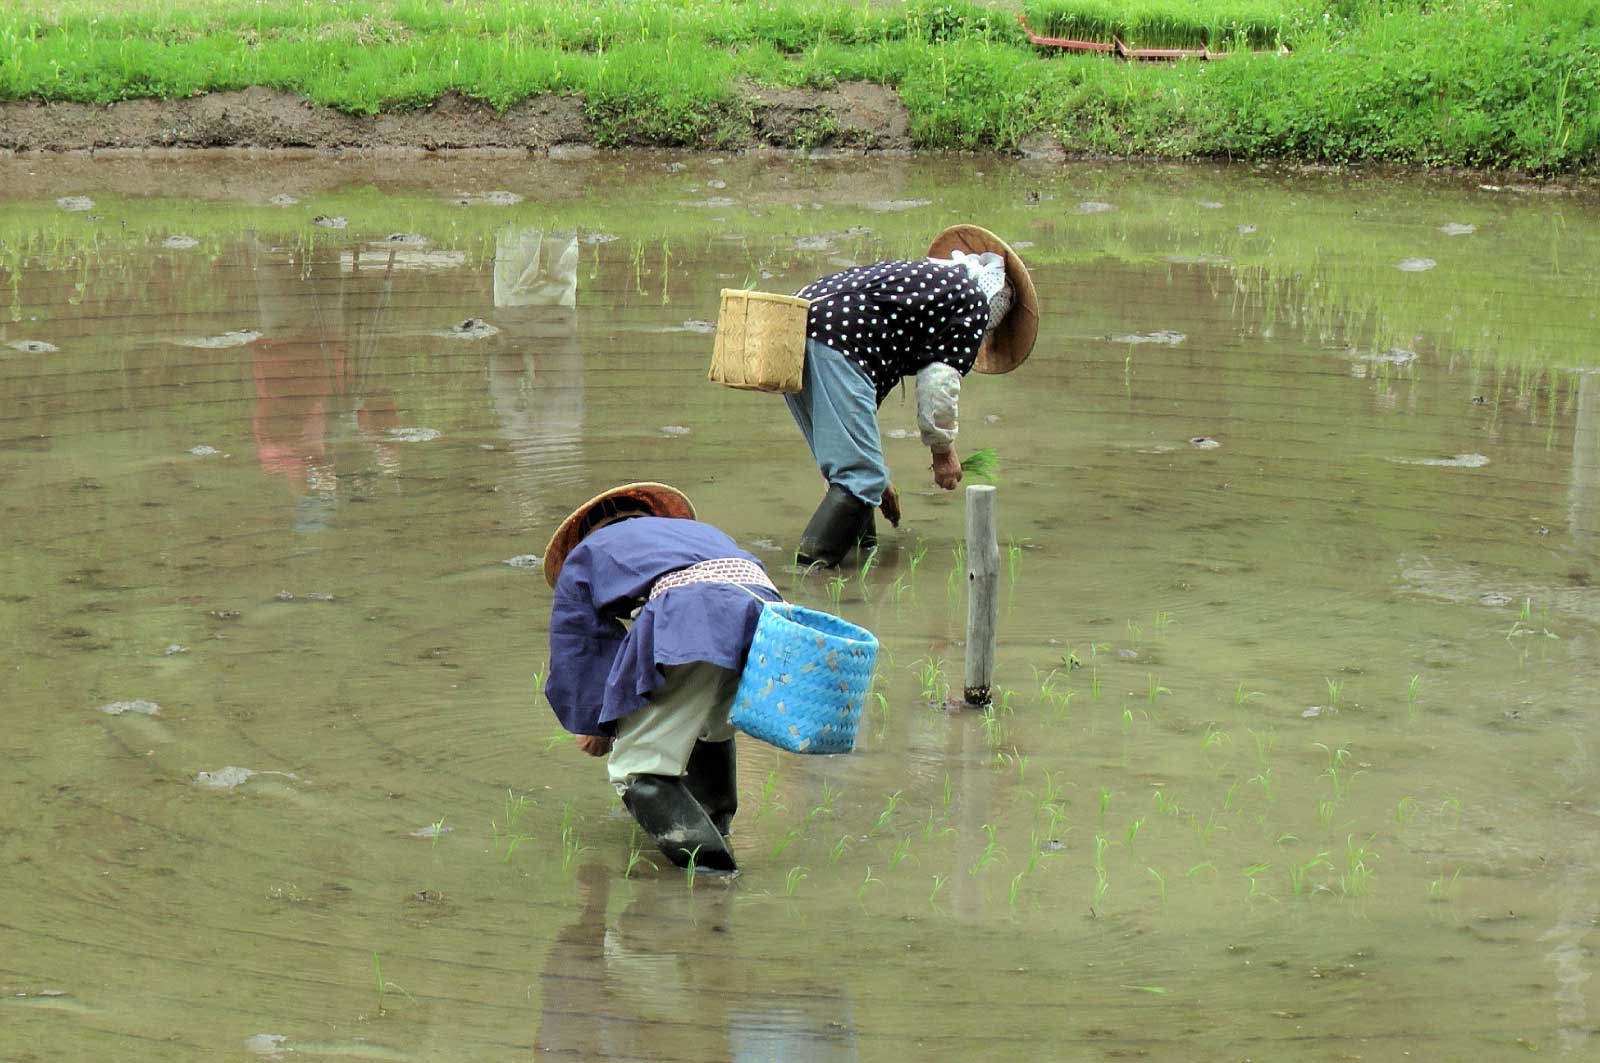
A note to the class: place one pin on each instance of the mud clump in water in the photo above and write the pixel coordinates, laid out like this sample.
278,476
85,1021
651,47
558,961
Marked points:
473,328
235,338
138,707
232,777
204,451
282,199
413,435
1090,206
488,199
33,347
180,243
1163,336
1393,356
268,1045
896,205
329,221
1415,265
75,203
432,830
1459,461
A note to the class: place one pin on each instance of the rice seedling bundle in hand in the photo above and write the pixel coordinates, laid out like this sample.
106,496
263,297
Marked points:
982,465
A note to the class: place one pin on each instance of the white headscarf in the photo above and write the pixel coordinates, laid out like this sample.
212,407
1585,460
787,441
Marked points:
989,270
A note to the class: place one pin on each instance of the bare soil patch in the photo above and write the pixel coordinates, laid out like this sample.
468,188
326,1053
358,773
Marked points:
862,116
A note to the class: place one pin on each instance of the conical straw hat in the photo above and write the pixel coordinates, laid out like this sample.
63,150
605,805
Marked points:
639,499
1012,341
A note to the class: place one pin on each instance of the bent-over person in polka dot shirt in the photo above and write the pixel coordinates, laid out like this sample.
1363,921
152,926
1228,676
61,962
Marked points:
869,327
893,318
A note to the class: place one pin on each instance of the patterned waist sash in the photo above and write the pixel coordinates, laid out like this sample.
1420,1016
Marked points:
720,570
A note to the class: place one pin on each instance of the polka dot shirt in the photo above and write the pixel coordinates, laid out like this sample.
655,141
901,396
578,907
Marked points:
893,318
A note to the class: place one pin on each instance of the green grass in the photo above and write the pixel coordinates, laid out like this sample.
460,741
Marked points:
1456,82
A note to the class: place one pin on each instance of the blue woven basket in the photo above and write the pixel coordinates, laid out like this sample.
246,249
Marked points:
805,680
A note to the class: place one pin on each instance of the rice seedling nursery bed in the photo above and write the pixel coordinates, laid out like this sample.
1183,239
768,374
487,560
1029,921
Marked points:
1460,82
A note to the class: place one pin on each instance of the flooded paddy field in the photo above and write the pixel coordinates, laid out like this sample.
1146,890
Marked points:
1295,750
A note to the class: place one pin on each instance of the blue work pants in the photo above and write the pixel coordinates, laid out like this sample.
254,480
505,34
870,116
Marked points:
837,410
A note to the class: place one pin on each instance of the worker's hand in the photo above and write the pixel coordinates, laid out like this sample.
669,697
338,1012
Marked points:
595,745
946,469
891,506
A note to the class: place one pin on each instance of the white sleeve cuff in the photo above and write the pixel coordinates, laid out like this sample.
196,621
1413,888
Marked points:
938,395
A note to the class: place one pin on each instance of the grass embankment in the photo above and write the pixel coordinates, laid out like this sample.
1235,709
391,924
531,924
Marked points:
1464,82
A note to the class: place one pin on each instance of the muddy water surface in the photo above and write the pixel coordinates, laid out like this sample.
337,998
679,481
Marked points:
1295,759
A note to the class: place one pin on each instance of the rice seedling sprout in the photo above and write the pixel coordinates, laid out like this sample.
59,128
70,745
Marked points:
902,849
887,814
866,568
990,852
918,552
1441,889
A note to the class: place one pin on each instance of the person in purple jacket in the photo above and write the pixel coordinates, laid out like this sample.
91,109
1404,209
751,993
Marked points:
650,626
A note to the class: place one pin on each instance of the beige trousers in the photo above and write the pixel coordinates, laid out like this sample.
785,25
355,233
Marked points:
657,739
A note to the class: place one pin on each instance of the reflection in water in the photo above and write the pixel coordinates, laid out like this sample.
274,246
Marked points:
536,367
1583,494
667,980
314,365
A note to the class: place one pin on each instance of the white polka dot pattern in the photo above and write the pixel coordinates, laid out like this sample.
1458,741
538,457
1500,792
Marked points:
893,318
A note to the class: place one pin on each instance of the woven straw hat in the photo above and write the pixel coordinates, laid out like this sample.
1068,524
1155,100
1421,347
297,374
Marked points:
1013,339
639,499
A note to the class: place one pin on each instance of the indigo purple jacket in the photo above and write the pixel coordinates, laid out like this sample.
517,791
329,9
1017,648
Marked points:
602,669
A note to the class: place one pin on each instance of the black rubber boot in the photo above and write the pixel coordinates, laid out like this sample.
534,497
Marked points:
869,533
834,530
713,778
666,810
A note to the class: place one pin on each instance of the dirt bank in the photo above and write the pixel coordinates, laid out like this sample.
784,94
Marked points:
856,115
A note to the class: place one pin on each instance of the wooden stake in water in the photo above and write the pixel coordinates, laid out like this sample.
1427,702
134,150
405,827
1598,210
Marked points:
983,592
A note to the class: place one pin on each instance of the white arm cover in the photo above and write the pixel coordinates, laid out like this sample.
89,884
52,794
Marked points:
938,395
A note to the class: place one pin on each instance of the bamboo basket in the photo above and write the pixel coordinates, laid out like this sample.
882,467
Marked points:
761,341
